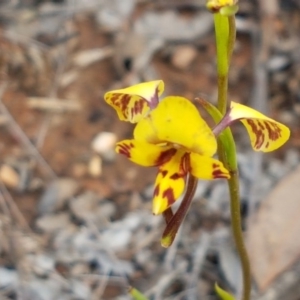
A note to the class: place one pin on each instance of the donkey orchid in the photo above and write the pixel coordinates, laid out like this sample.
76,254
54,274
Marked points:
175,138
172,136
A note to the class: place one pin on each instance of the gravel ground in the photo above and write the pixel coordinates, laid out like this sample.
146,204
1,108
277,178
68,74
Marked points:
75,218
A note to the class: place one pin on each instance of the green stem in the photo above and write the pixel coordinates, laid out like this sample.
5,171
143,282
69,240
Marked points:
231,36
236,221
222,93
225,38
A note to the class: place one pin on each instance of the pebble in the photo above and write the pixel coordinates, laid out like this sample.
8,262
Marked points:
113,15
219,198
43,265
9,176
79,170
9,278
229,263
107,264
116,239
80,290
46,289
184,56
278,62
79,269
52,223
277,169
57,194
84,206
104,144
95,166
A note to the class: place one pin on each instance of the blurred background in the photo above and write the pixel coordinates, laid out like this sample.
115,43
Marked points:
75,218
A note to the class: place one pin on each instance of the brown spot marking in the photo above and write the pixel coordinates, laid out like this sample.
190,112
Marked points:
275,132
164,173
156,191
138,107
176,176
261,126
217,173
123,103
258,133
169,194
125,149
115,99
165,156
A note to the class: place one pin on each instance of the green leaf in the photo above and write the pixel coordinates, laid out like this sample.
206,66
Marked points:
223,294
136,295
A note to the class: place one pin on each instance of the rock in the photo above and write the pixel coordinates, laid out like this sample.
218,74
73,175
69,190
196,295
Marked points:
184,56
229,262
43,265
113,15
114,266
30,243
119,234
95,166
57,194
79,170
219,198
273,243
80,290
88,57
63,244
9,176
171,26
84,205
278,62
52,223
116,239
79,269
9,278
104,144
46,289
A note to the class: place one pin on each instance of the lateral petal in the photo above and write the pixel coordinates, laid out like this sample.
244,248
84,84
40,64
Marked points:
170,182
265,133
204,167
145,154
134,102
176,120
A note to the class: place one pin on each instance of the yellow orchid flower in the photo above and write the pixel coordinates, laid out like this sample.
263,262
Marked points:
178,141
172,135
134,102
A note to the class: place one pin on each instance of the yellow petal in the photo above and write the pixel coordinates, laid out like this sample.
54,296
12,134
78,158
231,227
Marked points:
145,154
134,102
204,167
216,5
170,182
265,133
176,120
